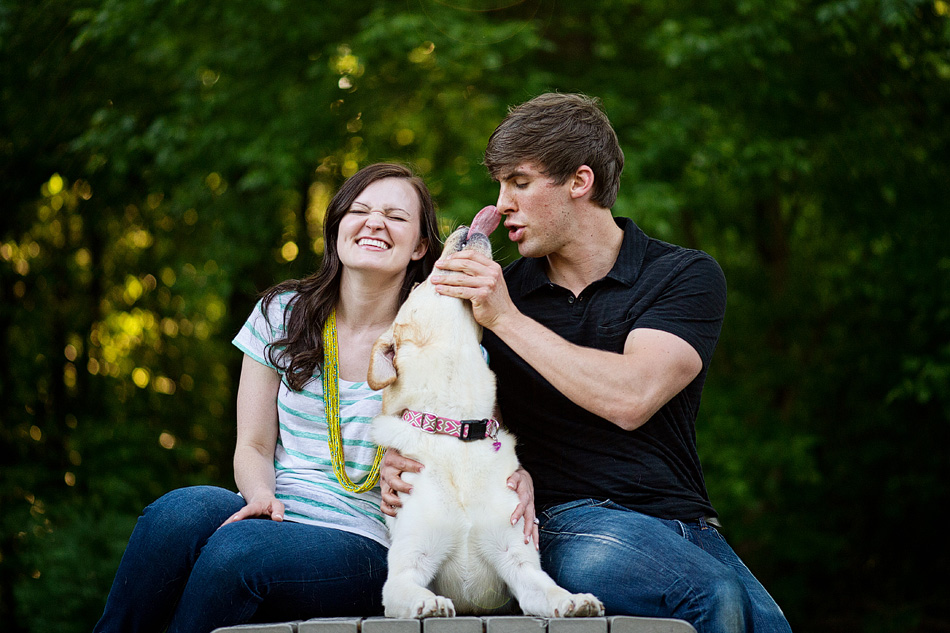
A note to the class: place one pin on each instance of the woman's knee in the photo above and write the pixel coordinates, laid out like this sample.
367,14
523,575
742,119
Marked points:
195,508
227,558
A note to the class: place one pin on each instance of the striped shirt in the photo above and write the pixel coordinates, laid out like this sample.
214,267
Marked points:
306,484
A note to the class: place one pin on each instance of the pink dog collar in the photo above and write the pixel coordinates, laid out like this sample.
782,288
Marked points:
465,430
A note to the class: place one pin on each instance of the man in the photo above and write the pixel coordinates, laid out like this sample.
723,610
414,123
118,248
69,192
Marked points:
601,338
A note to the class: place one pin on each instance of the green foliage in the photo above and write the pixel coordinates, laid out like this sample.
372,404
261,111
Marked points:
78,561
163,162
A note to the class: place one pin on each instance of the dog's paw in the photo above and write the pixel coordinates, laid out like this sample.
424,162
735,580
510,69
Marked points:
579,605
435,607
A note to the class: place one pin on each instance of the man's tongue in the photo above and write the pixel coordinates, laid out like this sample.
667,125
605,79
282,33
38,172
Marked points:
485,221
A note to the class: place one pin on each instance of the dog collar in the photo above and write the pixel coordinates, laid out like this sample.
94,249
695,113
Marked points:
465,430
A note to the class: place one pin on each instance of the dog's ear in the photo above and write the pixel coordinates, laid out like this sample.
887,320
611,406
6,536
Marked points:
382,366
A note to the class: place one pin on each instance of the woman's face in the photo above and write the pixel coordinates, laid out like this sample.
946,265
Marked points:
381,230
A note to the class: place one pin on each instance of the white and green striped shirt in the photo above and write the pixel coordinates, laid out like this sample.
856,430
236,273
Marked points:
305,480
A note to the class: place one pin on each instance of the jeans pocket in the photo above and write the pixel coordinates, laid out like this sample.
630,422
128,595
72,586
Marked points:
554,511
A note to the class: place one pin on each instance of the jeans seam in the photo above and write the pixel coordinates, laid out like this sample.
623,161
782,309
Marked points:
602,537
684,530
363,574
568,506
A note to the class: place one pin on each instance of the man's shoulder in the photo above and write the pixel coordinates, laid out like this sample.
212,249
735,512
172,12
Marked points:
674,257
659,249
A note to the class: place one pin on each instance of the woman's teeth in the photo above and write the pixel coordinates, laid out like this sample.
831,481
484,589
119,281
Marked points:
368,241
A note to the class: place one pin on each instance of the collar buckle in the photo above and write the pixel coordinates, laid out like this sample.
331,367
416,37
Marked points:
472,430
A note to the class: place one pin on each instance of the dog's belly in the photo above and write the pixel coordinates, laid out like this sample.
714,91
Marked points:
468,575
473,585
462,507
474,506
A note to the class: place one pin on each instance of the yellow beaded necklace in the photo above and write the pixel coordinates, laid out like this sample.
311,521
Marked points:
331,398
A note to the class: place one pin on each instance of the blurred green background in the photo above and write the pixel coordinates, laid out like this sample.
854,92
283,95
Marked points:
163,161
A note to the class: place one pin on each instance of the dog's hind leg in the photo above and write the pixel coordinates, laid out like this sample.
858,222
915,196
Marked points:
519,565
414,560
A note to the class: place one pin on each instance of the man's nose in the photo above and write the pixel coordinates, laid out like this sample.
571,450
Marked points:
505,202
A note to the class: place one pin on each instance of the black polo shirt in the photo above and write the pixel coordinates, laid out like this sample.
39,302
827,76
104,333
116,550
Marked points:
572,453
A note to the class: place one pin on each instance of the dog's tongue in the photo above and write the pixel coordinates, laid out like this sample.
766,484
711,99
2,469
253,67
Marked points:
485,221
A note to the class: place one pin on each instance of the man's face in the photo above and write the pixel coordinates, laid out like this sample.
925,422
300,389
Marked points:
536,210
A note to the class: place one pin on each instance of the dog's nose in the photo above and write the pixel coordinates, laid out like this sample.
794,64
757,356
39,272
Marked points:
476,240
463,238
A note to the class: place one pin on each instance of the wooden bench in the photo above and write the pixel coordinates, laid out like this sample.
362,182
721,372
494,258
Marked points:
464,624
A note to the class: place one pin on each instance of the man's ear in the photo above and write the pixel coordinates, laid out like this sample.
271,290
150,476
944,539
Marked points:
382,361
583,182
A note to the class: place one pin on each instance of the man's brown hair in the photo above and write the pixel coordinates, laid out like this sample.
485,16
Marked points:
558,133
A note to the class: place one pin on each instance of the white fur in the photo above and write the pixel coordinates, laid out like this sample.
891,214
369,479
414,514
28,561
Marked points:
454,549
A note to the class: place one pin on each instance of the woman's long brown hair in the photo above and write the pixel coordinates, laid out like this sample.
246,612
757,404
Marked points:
300,352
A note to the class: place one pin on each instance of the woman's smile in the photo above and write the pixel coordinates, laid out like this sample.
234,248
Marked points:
373,243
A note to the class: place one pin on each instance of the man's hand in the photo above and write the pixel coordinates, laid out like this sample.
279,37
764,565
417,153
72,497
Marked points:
520,481
482,283
390,479
269,508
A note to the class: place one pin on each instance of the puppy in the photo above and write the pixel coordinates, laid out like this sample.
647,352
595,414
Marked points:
454,549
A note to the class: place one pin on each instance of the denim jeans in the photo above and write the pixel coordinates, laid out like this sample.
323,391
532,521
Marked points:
179,570
644,566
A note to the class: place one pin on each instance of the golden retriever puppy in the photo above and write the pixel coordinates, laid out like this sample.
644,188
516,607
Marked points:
454,549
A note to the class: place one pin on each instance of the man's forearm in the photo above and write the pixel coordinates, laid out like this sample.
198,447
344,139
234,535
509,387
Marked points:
625,389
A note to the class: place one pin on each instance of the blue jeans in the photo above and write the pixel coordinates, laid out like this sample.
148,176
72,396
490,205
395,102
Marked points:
644,566
180,571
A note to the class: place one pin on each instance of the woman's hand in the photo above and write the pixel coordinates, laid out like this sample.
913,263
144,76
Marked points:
390,479
520,481
265,508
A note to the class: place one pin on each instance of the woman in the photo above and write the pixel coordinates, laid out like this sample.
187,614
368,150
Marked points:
201,557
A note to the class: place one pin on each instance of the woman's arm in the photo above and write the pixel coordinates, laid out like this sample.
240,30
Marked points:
256,441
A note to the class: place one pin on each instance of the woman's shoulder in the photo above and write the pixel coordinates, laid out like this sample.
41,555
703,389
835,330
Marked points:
277,301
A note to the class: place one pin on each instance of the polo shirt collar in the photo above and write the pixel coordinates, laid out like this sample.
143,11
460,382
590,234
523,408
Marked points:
632,252
625,270
534,275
